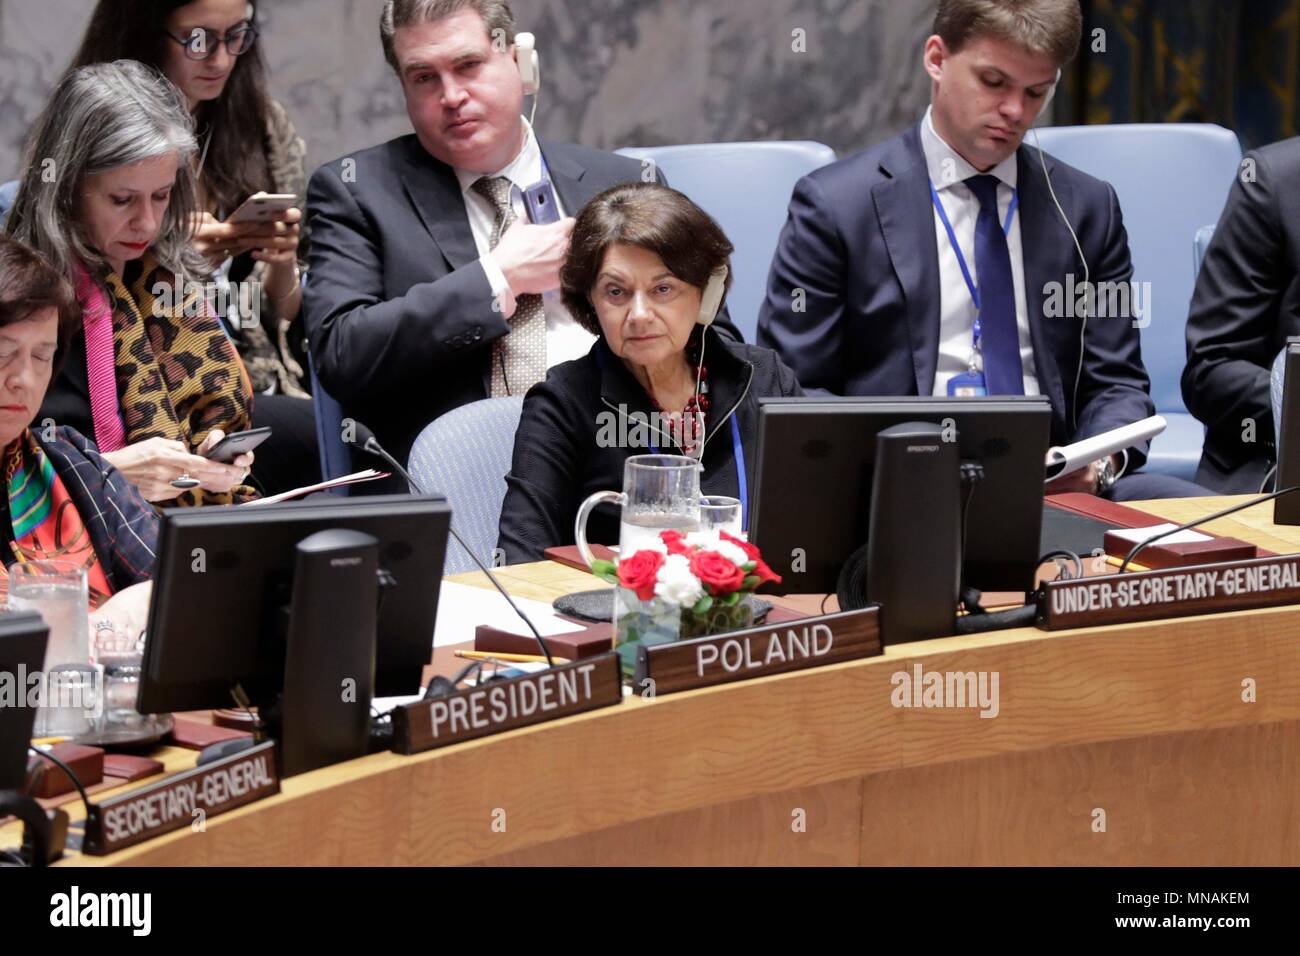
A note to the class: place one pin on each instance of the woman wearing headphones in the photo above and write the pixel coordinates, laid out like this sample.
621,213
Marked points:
646,272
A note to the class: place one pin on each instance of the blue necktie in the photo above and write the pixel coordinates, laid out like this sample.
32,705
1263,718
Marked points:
999,337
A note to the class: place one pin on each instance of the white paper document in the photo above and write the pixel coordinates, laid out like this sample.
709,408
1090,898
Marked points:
1065,459
356,478
1137,535
462,607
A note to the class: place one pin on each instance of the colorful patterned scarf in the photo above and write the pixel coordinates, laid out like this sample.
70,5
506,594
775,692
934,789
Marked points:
45,521
178,374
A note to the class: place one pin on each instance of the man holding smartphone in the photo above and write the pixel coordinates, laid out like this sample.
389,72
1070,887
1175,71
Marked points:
427,275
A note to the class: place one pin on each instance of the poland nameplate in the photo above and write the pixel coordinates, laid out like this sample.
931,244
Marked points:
758,651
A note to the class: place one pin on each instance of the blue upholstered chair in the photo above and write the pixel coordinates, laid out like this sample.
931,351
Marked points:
465,455
746,187
335,458
1171,179
8,193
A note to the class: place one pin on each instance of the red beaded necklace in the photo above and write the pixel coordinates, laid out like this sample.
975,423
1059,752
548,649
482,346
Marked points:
687,429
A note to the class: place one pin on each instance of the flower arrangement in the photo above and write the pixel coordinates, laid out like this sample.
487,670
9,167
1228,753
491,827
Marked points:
683,586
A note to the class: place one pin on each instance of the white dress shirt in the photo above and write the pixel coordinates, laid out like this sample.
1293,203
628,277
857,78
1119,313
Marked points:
565,338
948,171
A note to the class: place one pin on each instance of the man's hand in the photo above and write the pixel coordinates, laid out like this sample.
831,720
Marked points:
1085,480
531,256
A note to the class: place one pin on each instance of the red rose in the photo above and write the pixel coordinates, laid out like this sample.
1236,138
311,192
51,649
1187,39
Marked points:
764,573
673,539
718,574
637,573
751,552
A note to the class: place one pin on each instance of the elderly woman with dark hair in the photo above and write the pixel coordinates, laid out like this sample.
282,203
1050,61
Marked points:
151,376
62,500
646,271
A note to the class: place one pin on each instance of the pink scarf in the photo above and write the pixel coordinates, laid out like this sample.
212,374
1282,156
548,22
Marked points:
101,364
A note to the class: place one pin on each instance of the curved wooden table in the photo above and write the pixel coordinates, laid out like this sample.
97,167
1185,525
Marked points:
1113,746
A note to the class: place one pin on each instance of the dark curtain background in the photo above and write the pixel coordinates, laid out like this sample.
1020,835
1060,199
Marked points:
1231,62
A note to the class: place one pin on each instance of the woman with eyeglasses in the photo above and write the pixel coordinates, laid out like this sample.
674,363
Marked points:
210,50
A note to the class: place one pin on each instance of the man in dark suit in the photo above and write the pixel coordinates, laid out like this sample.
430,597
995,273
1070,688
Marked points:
427,278
874,285
1246,305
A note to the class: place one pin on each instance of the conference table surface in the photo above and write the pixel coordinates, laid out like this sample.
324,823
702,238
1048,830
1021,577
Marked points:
1164,743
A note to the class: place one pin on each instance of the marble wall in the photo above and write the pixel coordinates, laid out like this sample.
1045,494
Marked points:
615,72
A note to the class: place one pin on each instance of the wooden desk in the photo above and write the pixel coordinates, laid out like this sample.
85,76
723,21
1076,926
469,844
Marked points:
1140,729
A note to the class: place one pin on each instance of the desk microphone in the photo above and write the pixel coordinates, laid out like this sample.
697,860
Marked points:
365,439
1192,524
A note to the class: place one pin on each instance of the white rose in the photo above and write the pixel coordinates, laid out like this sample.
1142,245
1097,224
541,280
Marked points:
732,553
649,545
676,584
708,540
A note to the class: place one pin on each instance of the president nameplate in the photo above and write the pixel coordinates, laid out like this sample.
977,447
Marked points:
494,706
758,651
1171,592
182,800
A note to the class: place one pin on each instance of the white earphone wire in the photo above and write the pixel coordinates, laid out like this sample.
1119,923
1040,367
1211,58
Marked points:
1087,276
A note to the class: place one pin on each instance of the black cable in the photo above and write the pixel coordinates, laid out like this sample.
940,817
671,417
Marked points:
1191,524
370,444
1064,553
85,802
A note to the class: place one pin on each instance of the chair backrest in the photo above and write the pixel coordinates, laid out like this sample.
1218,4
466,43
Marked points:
746,187
1199,245
335,459
8,193
1171,179
465,455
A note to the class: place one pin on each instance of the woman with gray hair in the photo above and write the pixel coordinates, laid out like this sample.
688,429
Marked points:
108,196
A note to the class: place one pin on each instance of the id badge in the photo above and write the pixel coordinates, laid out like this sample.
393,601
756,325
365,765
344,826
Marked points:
968,384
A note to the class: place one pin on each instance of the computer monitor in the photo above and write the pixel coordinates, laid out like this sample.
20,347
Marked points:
23,637
812,487
224,582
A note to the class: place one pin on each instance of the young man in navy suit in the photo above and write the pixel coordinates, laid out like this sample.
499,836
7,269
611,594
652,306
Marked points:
874,285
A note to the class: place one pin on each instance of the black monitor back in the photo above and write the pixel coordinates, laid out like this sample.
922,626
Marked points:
814,471
23,637
224,574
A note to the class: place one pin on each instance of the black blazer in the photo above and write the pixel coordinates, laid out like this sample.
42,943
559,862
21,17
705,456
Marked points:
1246,304
860,243
399,311
561,455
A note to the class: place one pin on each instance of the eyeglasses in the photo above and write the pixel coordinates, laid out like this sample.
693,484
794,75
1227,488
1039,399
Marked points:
202,43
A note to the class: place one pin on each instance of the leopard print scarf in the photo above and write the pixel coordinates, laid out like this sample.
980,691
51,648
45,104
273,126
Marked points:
178,375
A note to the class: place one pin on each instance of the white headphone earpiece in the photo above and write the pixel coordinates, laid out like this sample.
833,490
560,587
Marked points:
530,69
711,300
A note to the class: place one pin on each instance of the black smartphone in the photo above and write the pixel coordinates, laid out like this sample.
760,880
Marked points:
232,446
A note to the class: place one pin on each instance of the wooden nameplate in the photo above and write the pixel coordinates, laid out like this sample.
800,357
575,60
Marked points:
1222,548
757,652
499,705
567,554
186,799
1173,592
595,637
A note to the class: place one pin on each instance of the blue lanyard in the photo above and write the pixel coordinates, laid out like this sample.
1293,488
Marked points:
961,259
742,484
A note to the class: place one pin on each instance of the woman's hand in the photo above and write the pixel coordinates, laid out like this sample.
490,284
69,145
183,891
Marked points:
127,610
229,475
152,465
278,237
